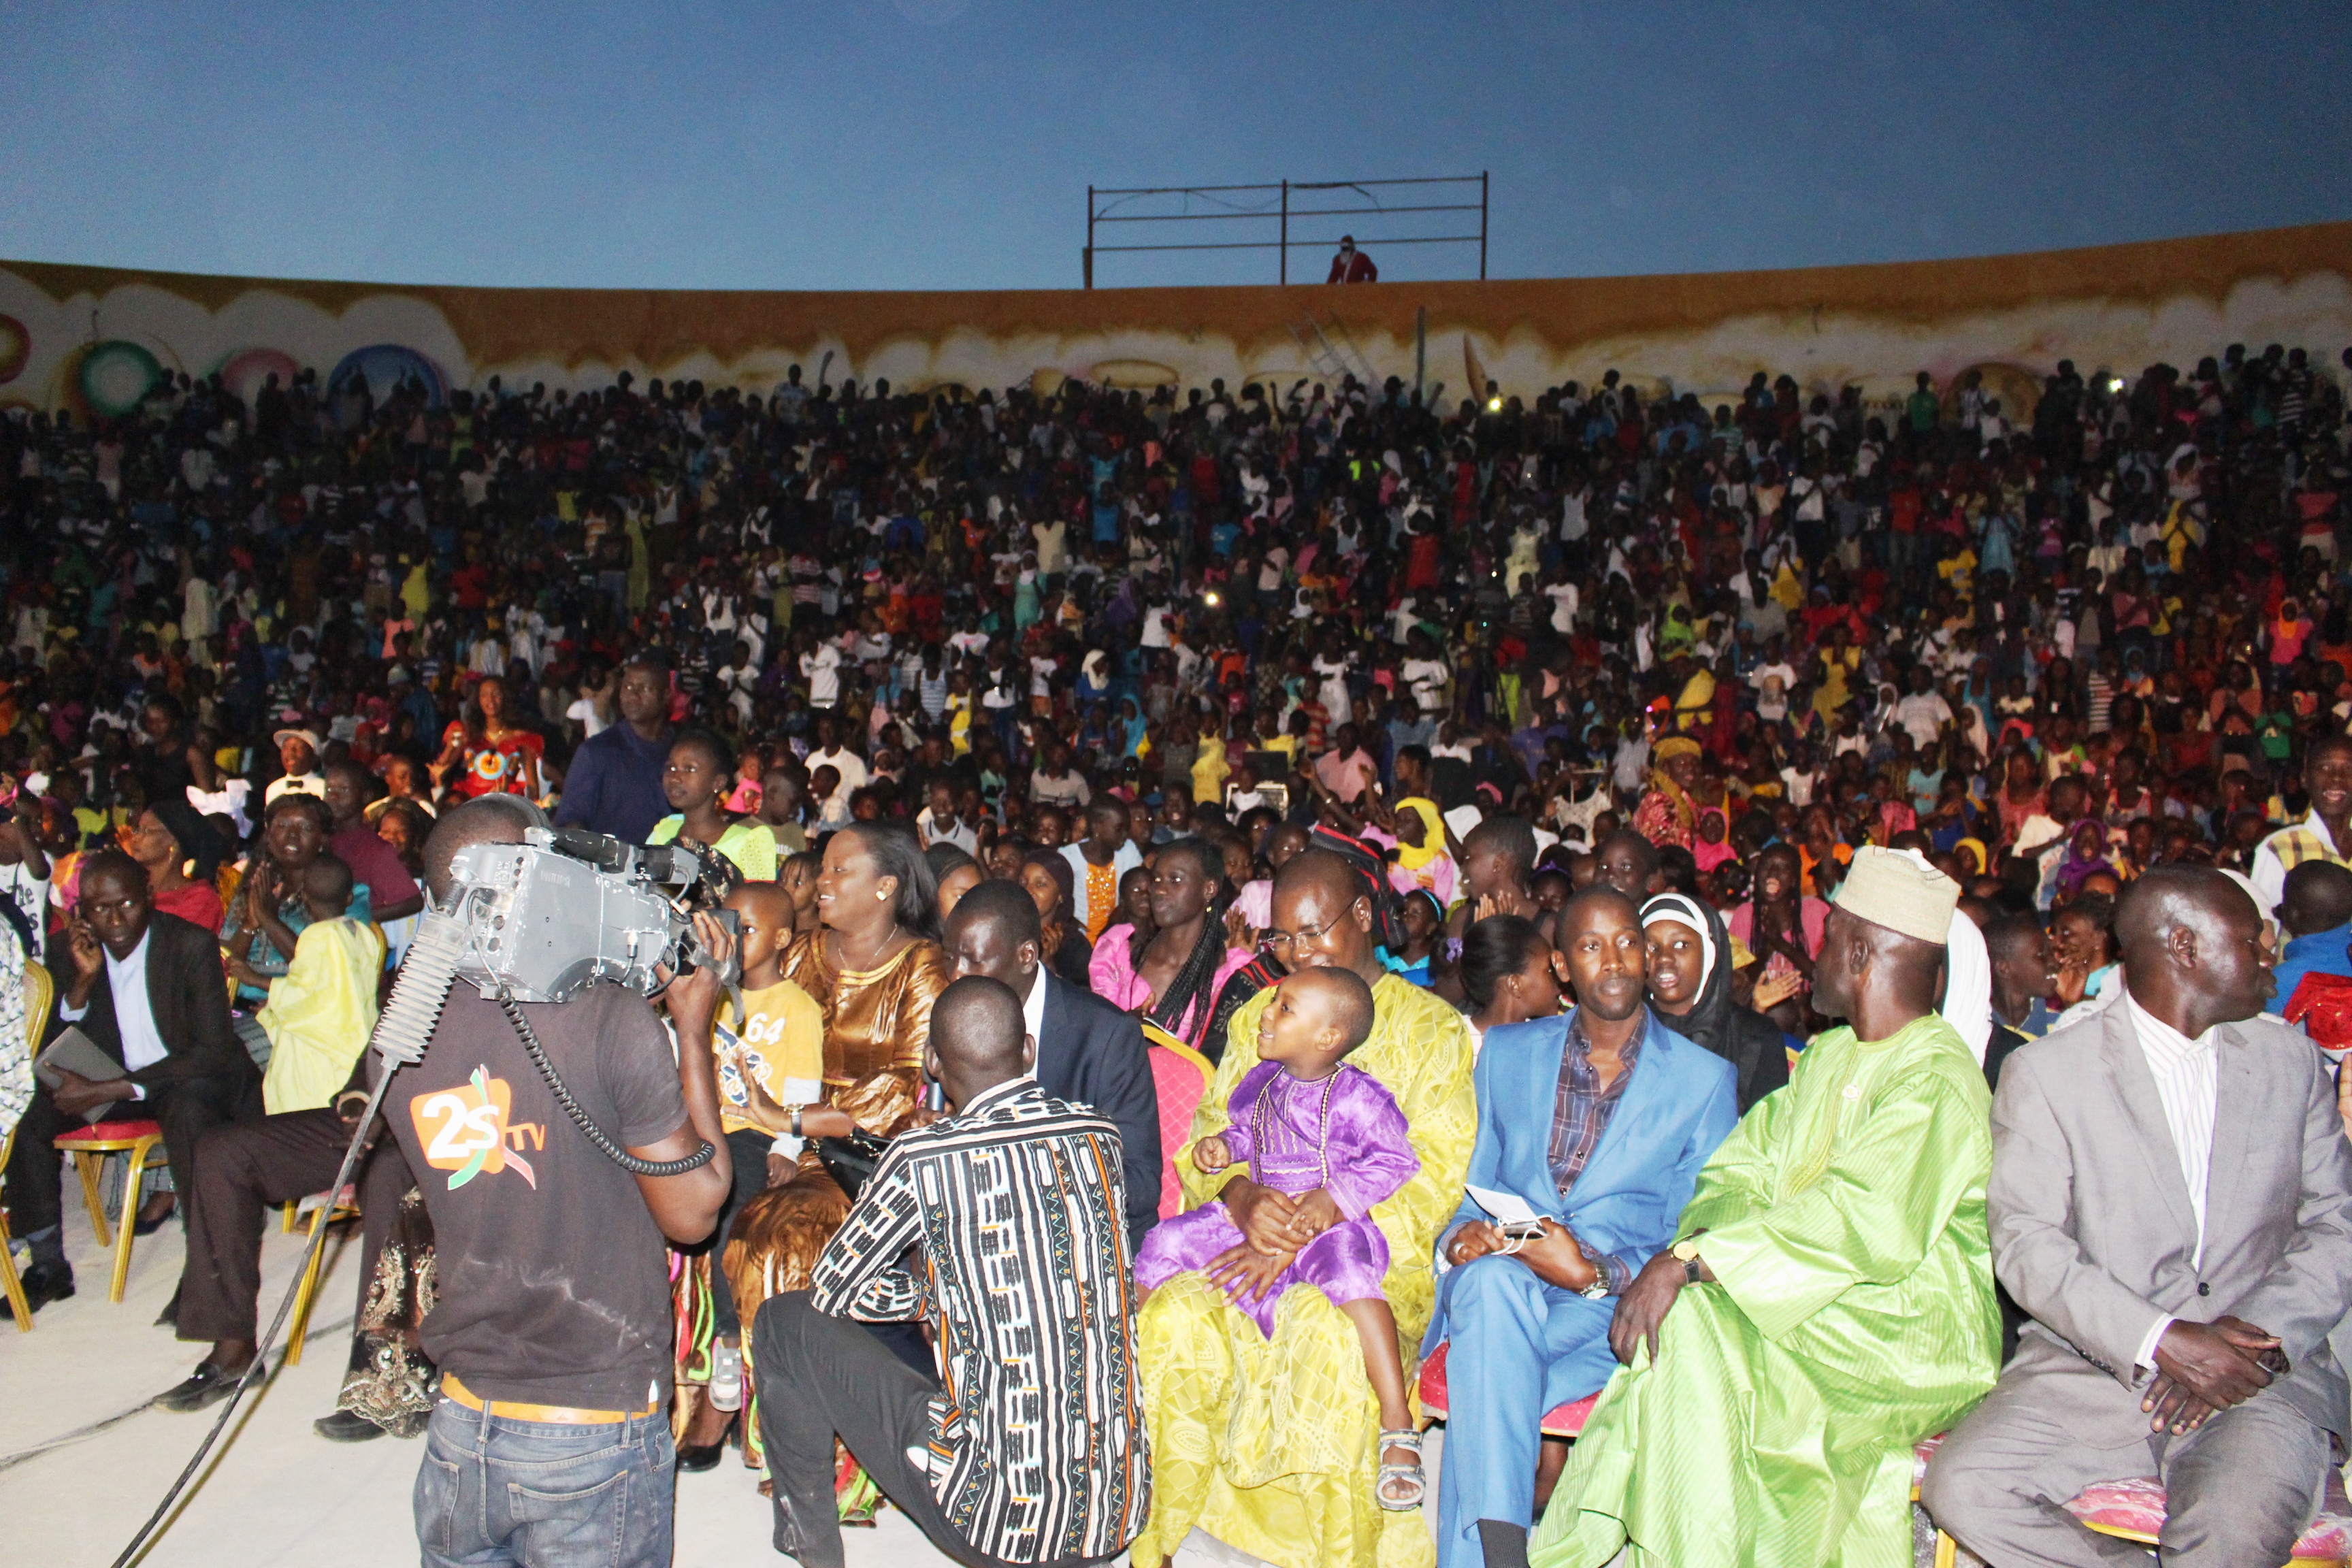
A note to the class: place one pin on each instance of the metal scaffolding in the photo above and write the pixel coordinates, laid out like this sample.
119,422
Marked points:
1110,205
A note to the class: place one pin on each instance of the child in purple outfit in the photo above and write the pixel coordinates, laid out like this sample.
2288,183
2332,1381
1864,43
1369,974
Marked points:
1332,1138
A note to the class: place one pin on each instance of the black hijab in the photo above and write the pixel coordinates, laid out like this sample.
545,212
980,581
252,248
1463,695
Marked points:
1750,1042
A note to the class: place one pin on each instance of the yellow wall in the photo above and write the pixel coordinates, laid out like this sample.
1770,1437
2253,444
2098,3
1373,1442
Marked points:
2116,306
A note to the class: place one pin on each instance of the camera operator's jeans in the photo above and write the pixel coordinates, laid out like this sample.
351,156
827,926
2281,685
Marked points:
491,1489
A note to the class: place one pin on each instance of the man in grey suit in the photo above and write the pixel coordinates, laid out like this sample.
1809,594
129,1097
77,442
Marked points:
2171,1202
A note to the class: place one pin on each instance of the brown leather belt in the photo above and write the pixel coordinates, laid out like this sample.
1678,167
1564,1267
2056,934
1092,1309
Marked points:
558,1415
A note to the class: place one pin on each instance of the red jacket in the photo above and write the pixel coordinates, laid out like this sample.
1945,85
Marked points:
1353,268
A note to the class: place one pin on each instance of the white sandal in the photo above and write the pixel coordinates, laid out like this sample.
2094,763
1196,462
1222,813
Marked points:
1401,1437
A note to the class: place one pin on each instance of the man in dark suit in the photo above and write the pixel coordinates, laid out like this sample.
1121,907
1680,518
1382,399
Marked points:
146,988
1089,1052
2171,1202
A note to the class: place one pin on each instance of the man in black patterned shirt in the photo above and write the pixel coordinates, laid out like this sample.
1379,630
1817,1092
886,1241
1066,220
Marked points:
1030,1448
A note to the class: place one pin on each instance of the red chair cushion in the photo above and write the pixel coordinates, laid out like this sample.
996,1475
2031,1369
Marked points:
111,1132
1566,1421
2135,1503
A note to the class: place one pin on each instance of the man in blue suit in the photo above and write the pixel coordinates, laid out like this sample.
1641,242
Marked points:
1599,1122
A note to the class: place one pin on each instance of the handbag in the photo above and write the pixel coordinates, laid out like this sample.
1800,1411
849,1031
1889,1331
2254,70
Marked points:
851,1160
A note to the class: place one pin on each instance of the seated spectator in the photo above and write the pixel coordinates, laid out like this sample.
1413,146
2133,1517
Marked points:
146,989
2184,1321
268,911
1046,1456
1509,972
1172,980
181,854
1832,1261
1332,1138
2315,911
1529,1316
394,895
695,781
1089,1052
1045,874
1689,967
320,1011
1256,1438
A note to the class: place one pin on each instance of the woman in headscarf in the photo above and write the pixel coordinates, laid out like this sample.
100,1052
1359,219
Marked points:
1689,972
1667,814
1422,862
181,855
1967,1004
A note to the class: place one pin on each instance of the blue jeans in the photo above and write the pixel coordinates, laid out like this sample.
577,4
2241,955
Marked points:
492,1490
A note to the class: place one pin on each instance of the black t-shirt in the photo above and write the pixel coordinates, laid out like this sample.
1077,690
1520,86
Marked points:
554,1289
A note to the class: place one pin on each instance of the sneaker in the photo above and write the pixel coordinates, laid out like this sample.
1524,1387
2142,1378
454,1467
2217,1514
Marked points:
726,1376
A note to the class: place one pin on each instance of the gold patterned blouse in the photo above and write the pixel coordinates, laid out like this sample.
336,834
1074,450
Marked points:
877,1022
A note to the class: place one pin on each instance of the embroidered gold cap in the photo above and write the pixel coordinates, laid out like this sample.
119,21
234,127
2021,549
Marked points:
1898,889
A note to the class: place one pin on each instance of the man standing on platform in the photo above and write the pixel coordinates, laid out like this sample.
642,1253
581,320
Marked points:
1828,1302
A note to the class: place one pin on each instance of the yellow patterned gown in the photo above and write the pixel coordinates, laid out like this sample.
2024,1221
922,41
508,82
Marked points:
1269,1445
1853,1315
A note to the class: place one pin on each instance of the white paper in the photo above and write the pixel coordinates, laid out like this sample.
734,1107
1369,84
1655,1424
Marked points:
1508,1208
1463,818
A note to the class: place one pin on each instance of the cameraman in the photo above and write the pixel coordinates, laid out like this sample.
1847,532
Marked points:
551,1442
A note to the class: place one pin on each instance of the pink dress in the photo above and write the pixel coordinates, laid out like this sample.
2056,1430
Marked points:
1343,1134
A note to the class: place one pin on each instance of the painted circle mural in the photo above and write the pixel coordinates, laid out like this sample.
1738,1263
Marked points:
247,372
384,366
115,375
15,348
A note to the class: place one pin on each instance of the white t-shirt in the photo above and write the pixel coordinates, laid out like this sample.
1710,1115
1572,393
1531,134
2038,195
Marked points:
1924,713
1564,599
822,669
583,713
1427,679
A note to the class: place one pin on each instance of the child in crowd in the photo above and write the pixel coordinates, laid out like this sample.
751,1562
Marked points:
1331,1138
696,779
798,878
320,1011
771,1061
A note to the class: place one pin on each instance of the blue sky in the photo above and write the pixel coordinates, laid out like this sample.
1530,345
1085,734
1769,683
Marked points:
949,144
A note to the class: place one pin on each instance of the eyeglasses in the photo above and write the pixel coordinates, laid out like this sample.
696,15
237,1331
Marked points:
1279,943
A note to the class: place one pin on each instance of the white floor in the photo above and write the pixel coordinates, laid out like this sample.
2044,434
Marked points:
84,1458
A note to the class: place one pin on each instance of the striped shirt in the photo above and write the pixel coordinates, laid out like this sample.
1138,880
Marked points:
1581,1109
2187,1084
1039,1449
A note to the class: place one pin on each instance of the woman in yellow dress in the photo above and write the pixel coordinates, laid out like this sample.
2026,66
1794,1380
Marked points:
874,966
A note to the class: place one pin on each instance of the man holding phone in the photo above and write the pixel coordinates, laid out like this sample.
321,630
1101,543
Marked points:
145,990
1591,1131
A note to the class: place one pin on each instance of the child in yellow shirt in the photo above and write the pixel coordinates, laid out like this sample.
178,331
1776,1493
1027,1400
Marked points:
771,1062
322,1009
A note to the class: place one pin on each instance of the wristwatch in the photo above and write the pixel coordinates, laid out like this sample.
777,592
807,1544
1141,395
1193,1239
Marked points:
1686,1252
796,1120
1599,1289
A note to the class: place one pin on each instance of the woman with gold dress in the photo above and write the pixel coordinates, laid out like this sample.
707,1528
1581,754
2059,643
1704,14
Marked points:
874,966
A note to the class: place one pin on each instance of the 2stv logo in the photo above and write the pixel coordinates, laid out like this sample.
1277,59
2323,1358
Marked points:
465,1131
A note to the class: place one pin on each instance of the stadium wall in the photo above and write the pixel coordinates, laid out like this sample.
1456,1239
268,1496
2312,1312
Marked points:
91,339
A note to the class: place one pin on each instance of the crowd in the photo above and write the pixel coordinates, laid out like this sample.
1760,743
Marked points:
1591,861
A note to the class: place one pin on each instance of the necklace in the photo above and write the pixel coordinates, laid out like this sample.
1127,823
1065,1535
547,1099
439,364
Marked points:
841,940
1262,1124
